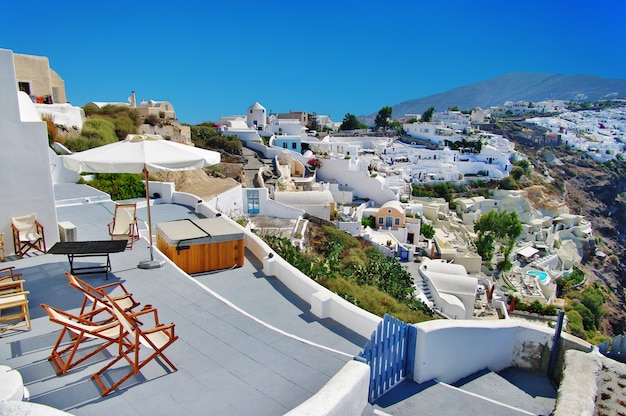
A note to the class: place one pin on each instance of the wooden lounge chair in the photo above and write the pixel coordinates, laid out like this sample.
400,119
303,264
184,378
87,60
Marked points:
155,339
96,297
8,273
27,234
124,224
84,330
9,302
11,286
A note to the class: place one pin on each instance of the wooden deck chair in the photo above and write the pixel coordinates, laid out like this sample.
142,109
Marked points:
8,273
95,297
84,330
27,234
12,286
10,302
155,339
124,224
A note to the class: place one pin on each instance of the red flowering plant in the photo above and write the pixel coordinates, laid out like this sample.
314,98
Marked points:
314,163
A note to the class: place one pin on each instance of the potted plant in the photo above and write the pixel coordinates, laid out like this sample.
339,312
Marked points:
314,163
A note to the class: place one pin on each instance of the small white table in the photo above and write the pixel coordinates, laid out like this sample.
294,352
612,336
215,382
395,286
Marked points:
11,384
30,409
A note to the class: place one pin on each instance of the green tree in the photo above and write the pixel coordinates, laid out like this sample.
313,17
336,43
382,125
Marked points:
517,172
428,114
350,122
383,117
509,183
497,225
207,136
486,235
427,230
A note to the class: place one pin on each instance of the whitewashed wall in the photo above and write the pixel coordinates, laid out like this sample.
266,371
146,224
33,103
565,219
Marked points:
25,176
363,186
63,114
494,345
344,395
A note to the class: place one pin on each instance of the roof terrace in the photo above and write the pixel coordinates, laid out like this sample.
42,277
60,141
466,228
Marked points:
247,345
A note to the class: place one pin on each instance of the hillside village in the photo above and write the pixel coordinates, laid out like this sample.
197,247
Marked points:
375,176
363,182
349,176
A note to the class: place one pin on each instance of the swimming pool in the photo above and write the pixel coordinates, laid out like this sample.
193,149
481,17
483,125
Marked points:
544,279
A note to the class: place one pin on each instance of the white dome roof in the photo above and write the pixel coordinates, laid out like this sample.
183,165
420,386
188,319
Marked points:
256,106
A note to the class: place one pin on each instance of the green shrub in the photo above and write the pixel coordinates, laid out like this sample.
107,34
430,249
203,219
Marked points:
152,120
509,183
79,144
575,324
369,222
360,275
124,126
375,301
427,230
588,320
120,186
341,237
100,129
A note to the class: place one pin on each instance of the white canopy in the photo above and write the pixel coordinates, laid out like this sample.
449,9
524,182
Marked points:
137,152
142,153
528,251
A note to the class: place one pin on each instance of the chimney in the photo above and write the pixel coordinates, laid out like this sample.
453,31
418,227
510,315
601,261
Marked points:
133,100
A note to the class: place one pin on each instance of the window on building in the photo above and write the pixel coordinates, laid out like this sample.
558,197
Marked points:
397,221
381,221
284,145
253,202
293,145
24,86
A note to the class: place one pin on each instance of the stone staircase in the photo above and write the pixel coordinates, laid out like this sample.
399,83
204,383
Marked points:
509,392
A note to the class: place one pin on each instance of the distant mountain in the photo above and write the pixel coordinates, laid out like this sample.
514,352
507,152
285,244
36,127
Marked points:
518,86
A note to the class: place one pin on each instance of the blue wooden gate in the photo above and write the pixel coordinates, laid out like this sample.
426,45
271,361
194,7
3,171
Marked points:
403,253
390,354
617,350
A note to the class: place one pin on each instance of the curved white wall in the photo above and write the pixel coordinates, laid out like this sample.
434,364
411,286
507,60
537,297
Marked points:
344,395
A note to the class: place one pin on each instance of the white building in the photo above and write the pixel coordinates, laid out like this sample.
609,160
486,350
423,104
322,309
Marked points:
256,116
26,181
453,119
452,290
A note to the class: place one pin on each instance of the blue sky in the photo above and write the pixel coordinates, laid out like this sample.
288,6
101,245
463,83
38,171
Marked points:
215,58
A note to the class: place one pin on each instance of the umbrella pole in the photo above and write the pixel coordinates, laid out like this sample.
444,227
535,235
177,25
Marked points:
148,208
150,264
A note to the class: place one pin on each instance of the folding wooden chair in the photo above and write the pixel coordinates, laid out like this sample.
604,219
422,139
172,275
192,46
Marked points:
84,330
10,301
11,286
155,339
95,296
27,234
8,273
124,223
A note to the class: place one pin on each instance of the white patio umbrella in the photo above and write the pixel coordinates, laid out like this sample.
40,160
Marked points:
142,153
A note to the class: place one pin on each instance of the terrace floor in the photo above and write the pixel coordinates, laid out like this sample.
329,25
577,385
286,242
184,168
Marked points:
247,345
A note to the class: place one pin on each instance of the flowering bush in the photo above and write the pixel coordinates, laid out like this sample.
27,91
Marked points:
314,163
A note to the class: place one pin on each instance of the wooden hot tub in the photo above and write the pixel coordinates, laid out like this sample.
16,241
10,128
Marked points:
201,245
